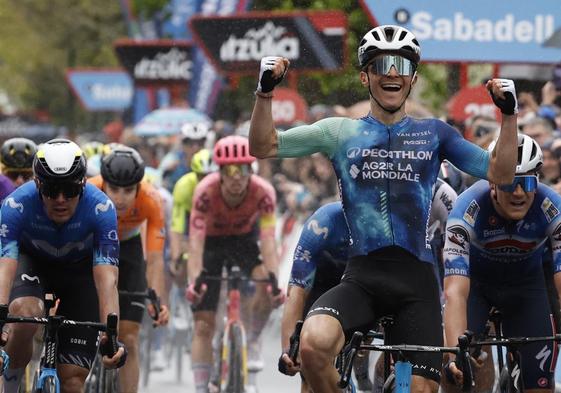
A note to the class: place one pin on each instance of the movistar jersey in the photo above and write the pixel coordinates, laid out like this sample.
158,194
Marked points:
92,230
483,245
386,174
323,248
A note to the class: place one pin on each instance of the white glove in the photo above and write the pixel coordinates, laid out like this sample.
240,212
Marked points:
266,81
509,104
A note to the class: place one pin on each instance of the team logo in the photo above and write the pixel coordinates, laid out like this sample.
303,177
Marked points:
549,209
458,235
202,203
354,171
26,277
353,152
13,204
471,213
112,235
4,230
313,225
493,220
103,207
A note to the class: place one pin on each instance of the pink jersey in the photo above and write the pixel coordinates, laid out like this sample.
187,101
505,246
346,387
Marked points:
211,216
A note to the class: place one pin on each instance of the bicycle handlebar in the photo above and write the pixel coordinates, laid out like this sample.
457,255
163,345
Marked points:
236,276
295,341
149,294
516,340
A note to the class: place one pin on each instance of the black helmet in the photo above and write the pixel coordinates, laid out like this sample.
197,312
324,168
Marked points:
17,153
59,160
122,167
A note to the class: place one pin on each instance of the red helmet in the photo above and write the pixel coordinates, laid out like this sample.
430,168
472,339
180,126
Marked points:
232,149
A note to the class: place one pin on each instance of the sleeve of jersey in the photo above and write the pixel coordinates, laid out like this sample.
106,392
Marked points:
313,240
106,239
179,210
466,156
267,205
12,215
308,139
199,213
551,207
456,246
156,225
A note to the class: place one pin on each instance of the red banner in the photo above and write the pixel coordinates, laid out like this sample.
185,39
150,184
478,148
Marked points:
288,107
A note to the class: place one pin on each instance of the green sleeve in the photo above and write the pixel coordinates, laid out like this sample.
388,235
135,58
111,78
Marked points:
182,202
322,136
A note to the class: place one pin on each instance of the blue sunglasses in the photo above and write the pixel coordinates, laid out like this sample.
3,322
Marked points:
528,184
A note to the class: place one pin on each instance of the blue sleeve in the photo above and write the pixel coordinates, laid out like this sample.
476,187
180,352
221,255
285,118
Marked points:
313,240
106,239
466,156
12,216
459,233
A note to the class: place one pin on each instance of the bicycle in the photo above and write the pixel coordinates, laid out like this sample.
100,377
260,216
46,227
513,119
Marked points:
102,380
510,378
46,379
230,372
181,330
400,378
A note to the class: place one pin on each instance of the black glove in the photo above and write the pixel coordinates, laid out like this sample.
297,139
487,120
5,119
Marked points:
266,81
509,104
282,365
106,350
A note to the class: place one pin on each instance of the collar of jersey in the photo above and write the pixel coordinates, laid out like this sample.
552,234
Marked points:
395,126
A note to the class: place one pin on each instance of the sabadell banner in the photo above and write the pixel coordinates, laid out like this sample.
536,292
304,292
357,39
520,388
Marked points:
514,31
312,41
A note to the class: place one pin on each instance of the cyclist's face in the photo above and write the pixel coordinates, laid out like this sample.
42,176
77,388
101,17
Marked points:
60,209
512,205
122,197
389,89
235,178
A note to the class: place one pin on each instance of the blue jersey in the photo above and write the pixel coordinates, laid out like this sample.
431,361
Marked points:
323,248
92,230
482,245
386,174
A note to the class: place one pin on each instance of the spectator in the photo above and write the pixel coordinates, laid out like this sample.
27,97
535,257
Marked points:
539,129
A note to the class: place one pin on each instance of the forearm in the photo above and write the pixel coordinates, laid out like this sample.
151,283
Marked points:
175,245
502,164
269,254
293,310
106,278
195,262
155,273
262,133
8,268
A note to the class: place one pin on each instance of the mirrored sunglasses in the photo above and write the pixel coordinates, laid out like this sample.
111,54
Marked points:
381,65
234,169
67,189
528,184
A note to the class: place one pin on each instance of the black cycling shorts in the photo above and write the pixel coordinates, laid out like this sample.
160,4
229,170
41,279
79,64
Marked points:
525,312
390,281
242,251
73,284
132,278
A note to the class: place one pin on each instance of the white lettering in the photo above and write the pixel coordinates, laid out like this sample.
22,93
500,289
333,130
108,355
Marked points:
171,65
101,92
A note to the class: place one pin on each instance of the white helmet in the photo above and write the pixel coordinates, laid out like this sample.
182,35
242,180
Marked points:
388,38
194,131
530,156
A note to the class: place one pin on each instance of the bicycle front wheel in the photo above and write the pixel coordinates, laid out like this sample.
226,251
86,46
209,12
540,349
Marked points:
237,357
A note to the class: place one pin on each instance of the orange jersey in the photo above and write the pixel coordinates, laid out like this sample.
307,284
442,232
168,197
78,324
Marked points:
147,208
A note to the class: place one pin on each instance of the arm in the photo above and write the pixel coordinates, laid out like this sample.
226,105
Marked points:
262,133
503,158
106,278
269,254
293,311
8,268
456,292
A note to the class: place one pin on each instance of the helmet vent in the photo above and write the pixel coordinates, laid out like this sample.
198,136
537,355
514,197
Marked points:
389,32
402,35
376,35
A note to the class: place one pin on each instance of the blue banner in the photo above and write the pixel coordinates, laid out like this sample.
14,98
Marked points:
103,90
177,25
477,30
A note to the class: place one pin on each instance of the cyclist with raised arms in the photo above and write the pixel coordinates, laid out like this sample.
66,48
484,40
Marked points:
201,165
386,163
232,222
58,234
137,203
16,157
495,240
